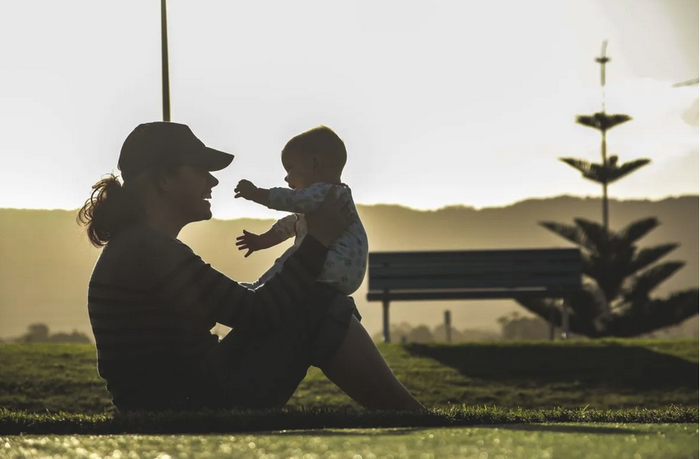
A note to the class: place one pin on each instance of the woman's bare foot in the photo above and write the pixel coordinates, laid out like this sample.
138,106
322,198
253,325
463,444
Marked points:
360,371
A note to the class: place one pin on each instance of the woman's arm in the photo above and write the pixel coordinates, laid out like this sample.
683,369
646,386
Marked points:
187,282
194,285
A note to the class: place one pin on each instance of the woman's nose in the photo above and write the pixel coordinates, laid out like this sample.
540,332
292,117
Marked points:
213,180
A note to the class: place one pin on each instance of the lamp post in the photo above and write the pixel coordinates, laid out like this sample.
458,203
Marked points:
164,60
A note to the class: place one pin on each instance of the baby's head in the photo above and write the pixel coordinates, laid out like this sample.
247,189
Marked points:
316,155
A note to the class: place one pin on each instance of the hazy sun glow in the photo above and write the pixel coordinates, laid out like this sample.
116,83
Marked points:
439,103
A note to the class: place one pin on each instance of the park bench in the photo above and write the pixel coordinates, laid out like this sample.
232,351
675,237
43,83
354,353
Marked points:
474,274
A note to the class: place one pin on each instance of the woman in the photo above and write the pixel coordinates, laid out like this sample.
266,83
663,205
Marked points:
152,301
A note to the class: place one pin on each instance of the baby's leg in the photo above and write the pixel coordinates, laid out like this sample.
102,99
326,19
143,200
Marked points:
343,271
360,371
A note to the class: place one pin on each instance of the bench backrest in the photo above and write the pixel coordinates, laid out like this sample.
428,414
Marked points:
473,274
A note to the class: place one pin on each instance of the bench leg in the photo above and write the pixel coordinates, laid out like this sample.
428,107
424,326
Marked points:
385,305
551,325
564,319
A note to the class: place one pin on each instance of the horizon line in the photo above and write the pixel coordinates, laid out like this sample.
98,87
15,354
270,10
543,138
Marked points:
428,209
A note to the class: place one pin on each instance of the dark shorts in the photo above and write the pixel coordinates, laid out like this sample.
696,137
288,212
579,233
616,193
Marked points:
264,371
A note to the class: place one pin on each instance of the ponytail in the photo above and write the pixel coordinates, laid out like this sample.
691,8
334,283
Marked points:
109,209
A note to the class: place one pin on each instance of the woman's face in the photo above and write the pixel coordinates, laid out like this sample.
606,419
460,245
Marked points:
189,193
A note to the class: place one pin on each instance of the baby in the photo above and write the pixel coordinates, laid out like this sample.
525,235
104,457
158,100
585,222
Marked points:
314,161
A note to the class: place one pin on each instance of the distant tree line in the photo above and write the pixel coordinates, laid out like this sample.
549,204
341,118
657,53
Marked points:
514,327
39,333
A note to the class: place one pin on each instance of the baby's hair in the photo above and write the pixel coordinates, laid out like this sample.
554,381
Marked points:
322,142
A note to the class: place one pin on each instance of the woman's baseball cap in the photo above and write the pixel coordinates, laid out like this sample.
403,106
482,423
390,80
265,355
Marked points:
162,143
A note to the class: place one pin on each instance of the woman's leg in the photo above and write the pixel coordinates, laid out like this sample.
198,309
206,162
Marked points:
256,372
360,371
264,371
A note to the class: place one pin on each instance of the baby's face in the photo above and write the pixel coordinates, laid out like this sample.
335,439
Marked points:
301,170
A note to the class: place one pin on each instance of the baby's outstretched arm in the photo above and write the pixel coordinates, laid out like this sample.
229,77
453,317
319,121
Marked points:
247,190
282,230
300,200
254,242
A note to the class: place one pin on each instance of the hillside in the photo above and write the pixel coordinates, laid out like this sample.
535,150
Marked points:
45,260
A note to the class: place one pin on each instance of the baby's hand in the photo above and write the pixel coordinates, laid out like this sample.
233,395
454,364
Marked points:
246,190
250,242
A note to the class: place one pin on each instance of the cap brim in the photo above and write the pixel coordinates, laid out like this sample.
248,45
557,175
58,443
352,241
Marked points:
215,160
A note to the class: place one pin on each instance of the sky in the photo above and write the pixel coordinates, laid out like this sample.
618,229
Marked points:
439,103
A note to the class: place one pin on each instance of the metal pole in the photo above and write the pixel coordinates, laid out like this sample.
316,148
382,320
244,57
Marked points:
565,318
551,325
448,326
164,57
385,305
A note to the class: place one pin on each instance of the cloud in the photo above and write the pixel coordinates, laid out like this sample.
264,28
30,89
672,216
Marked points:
690,114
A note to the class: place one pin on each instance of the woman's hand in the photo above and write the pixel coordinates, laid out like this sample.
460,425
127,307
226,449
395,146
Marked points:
327,223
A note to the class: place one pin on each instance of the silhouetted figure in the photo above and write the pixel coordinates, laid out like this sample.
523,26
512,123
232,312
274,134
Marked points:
152,301
314,162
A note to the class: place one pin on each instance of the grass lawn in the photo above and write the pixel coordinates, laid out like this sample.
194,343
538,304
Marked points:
229,421
601,374
579,399
571,441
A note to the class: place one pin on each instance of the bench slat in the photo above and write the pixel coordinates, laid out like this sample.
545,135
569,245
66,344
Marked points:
505,281
464,256
452,270
464,294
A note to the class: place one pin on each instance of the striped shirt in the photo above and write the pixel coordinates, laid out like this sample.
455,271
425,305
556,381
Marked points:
152,303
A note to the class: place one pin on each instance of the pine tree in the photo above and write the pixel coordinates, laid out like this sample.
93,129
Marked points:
618,276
